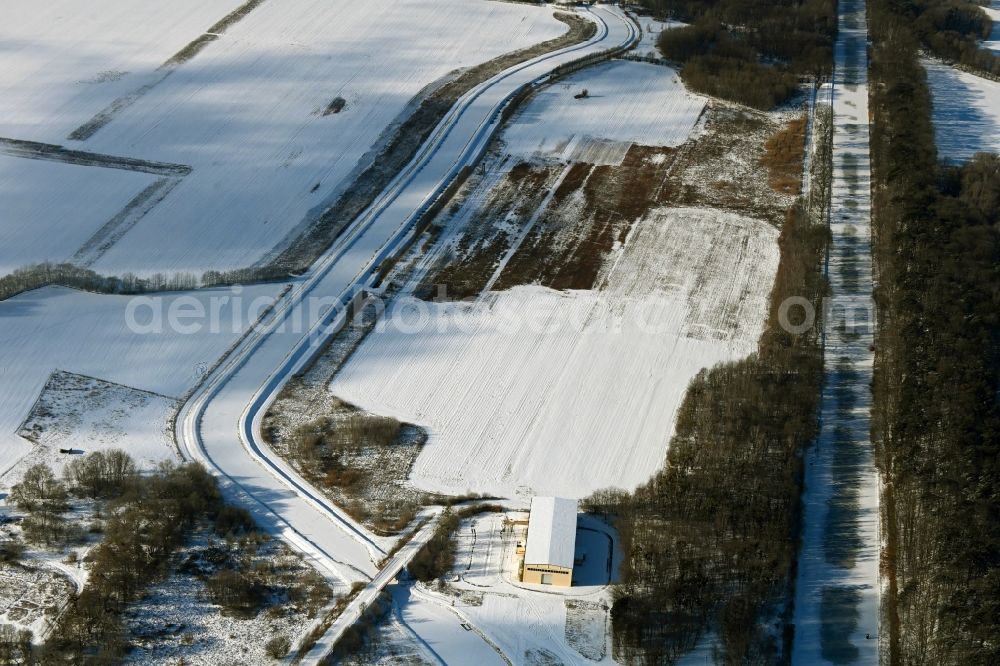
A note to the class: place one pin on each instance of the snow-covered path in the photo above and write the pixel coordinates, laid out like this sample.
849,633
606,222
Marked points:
837,592
221,423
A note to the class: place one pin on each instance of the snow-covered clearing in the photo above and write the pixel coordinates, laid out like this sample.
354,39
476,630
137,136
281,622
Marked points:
88,334
966,111
86,414
48,210
246,111
627,103
533,380
651,29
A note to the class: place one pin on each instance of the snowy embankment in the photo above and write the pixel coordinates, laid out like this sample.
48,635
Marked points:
246,112
966,111
587,383
61,329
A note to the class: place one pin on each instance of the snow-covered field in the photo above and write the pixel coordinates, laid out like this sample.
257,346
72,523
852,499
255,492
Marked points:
628,103
532,380
966,111
62,329
245,112
62,61
48,210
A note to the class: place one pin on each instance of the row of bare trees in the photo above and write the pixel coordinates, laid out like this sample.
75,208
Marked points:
40,275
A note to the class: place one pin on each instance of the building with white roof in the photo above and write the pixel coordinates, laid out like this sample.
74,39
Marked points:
551,545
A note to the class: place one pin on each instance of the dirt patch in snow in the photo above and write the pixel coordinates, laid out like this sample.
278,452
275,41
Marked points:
783,155
727,166
557,226
492,208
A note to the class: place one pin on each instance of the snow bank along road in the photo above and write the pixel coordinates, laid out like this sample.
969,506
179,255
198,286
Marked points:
220,424
836,605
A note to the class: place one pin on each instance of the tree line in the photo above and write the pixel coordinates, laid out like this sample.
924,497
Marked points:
46,274
952,29
751,53
437,557
936,420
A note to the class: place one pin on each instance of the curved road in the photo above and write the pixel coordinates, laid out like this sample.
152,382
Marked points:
220,424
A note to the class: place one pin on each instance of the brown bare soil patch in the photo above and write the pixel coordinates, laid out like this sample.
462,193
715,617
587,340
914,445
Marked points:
743,161
783,156
727,166
507,204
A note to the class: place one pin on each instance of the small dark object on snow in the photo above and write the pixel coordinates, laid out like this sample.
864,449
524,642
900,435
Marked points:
583,94
336,106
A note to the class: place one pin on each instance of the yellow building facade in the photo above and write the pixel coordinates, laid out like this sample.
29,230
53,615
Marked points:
551,543
539,574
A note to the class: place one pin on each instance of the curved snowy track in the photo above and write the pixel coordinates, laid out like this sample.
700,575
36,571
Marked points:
220,424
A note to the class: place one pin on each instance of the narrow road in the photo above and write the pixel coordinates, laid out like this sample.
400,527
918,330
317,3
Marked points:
837,592
220,424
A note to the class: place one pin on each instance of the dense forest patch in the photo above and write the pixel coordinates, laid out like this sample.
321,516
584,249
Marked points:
750,53
952,29
936,420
